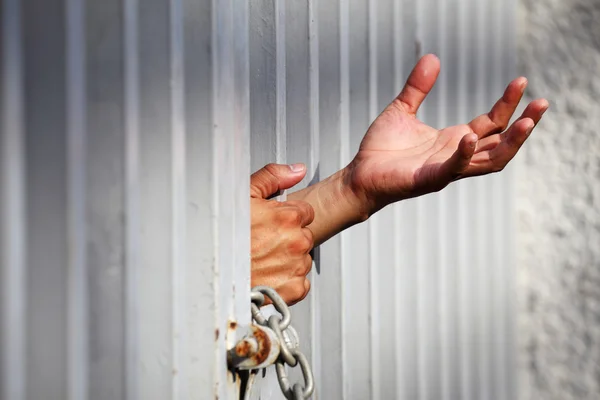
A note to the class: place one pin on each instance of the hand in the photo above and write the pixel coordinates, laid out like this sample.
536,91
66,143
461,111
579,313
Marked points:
280,241
401,157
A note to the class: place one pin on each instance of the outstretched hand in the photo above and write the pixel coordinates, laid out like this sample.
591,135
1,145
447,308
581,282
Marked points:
401,157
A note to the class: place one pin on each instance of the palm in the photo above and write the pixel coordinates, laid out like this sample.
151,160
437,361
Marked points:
401,157
401,149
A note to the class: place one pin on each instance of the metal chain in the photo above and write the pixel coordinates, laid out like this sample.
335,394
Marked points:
289,343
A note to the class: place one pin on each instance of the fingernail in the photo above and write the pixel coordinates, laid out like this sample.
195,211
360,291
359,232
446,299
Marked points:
529,130
297,167
523,85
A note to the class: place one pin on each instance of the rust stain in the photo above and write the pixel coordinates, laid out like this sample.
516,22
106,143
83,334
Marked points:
264,346
232,325
242,349
216,334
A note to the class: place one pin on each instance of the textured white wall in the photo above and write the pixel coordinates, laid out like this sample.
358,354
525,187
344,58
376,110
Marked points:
558,203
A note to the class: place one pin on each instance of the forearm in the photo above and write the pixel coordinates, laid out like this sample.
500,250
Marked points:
337,206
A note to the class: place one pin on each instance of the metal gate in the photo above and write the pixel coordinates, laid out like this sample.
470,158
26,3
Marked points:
129,131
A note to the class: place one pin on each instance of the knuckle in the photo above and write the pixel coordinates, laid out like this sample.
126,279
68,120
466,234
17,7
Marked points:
300,244
311,213
306,243
499,126
291,216
305,266
271,168
309,237
498,122
298,290
296,216
306,288
295,246
308,264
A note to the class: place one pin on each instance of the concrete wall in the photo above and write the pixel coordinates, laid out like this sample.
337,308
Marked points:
558,203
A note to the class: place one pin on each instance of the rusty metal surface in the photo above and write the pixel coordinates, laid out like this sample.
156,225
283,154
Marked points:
258,347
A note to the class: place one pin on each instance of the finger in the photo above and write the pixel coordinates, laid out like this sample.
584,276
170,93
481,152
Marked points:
299,243
456,165
305,267
307,213
275,177
534,111
499,116
419,83
306,286
295,290
496,159
310,236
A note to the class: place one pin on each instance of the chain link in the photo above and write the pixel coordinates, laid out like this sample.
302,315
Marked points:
289,354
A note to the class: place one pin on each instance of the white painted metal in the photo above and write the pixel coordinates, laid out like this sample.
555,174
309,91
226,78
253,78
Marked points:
109,198
131,124
121,121
77,286
440,329
230,108
13,227
129,131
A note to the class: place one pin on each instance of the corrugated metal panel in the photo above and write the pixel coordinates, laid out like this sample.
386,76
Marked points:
129,130
439,337
121,121
12,207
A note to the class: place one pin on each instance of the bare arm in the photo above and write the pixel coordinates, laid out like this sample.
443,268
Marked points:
336,205
400,157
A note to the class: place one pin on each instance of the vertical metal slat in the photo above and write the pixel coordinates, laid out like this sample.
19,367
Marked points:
154,282
12,206
132,193
105,198
77,230
242,158
179,335
224,180
44,71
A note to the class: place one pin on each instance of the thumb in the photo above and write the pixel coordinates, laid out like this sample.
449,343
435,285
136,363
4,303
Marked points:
275,177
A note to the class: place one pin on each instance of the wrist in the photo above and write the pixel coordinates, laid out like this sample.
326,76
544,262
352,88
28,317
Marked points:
338,204
353,195
364,190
